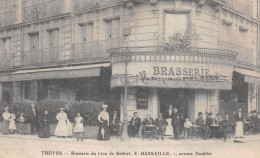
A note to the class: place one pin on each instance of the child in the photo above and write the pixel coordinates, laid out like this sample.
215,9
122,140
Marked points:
187,128
227,127
21,120
79,128
12,126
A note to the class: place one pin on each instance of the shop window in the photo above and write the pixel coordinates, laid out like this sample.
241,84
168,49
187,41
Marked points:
224,96
226,32
142,98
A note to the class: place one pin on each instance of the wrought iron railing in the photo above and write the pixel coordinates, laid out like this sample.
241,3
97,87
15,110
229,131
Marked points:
86,4
245,55
170,54
6,60
43,10
242,6
95,49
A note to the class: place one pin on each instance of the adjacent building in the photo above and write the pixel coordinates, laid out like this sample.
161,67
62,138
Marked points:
198,55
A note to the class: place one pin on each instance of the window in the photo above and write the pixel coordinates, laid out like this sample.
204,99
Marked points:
34,41
6,45
87,32
243,37
113,29
54,38
174,23
226,32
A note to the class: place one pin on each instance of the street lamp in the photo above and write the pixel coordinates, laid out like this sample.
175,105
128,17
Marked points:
125,121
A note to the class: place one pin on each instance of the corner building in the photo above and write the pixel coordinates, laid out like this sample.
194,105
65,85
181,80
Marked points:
82,49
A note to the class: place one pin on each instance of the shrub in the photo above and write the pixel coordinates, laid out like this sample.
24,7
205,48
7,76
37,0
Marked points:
22,106
2,106
52,106
89,110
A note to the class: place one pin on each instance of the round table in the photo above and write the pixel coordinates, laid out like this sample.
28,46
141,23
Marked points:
214,128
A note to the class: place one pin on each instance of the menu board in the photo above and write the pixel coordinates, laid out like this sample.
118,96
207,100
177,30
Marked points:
142,98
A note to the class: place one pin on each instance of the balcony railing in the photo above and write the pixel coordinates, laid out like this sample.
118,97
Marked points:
169,54
6,61
85,4
242,6
95,49
43,10
7,18
245,55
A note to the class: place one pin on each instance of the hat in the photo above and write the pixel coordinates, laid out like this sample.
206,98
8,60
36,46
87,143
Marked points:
6,108
254,111
200,113
33,105
104,106
61,108
160,114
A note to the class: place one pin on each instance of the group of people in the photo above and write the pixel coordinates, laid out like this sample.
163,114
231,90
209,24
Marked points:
40,123
171,122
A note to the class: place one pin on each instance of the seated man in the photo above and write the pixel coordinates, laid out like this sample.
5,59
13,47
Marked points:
147,121
134,125
203,127
114,124
209,122
226,125
257,124
160,126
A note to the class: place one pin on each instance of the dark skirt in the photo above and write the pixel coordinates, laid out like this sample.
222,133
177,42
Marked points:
5,128
106,131
44,130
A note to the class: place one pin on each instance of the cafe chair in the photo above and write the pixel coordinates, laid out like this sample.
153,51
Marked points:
147,132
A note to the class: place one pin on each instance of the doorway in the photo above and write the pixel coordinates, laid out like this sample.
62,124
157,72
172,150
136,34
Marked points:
178,98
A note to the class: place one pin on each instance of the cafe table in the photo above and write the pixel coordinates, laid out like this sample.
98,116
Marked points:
214,129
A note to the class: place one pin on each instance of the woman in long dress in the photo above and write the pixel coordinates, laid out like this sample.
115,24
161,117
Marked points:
168,117
44,125
239,130
61,128
6,121
103,118
79,128
12,125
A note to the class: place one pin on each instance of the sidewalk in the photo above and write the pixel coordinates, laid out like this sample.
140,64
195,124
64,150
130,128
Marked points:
134,141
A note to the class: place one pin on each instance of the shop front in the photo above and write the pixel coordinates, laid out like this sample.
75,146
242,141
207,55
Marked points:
189,80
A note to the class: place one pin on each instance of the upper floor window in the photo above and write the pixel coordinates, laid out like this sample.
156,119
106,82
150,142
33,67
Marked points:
87,32
34,41
175,23
113,29
6,45
243,37
53,38
226,32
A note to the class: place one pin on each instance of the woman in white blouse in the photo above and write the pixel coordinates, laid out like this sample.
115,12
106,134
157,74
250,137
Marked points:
6,121
61,128
103,118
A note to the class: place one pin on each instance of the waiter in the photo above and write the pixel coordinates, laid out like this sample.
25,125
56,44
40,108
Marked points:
168,117
176,123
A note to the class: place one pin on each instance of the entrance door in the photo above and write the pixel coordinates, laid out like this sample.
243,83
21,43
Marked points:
177,98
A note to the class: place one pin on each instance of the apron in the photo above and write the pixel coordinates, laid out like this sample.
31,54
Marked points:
169,128
239,129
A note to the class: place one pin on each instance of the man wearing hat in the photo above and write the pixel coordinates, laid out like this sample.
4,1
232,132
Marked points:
33,115
134,125
176,123
160,126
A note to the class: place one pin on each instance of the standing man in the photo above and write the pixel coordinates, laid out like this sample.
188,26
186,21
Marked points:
134,125
160,126
168,117
176,123
114,124
34,119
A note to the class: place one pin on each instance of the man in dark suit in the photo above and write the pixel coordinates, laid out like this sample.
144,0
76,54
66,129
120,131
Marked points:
134,125
160,126
34,119
176,123
114,123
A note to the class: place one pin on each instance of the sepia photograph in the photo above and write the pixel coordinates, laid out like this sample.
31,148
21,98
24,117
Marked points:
129,78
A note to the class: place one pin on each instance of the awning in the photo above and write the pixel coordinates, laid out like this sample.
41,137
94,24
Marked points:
54,73
249,75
